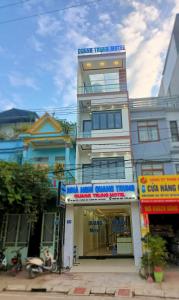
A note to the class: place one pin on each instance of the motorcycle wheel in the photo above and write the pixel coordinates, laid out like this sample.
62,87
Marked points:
54,267
31,273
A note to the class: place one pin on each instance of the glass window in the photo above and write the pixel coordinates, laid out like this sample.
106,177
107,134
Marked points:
148,131
177,168
107,120
174,131
59,158
48,227
108,168
152,169
111,120
86,173
103,120
11,229
87,126
41,159
96,121
23,234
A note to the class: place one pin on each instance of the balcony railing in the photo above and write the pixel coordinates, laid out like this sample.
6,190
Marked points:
98,88
154,103
84,134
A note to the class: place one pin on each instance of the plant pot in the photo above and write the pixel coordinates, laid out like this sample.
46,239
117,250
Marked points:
158,276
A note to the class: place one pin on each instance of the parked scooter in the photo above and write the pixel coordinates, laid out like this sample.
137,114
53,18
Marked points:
16,262
3,260
35,265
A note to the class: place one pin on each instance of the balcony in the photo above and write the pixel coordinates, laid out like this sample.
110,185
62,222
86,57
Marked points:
98,88
154,103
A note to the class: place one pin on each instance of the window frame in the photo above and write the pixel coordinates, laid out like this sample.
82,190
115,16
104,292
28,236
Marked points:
177,131
152,169
107,113
99,163
148,126
177,165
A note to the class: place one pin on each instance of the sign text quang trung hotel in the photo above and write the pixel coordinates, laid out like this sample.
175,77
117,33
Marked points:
100,193
159,194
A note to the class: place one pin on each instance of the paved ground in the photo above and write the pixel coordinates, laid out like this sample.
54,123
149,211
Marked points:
93,283
26,296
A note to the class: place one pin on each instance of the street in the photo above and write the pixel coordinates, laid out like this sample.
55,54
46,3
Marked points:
50,296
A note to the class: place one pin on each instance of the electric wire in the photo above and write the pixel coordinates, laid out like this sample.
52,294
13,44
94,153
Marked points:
48,12
14,4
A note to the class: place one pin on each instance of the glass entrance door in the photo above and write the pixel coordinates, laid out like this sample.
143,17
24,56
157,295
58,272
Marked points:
106,231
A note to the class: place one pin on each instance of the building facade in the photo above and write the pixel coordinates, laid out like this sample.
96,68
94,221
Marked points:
155,144
50,150
102,212
170,76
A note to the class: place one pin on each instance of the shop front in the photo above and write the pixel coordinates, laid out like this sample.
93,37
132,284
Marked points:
102,221
159,200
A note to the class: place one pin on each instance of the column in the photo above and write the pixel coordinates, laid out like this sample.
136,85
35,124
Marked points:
136,232
69,236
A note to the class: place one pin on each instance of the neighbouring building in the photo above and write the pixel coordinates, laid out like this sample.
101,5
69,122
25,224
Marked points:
48,146
155,145
12,123
170,76
102,209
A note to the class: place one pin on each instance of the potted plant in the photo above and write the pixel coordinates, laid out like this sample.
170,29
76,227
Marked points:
155,257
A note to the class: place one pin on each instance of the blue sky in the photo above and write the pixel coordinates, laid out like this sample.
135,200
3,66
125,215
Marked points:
38,56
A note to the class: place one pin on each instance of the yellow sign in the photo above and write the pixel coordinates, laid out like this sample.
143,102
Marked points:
162,188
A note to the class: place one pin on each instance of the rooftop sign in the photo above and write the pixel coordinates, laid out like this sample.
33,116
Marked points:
101,49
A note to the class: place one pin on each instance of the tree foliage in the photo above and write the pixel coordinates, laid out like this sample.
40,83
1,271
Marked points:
23,188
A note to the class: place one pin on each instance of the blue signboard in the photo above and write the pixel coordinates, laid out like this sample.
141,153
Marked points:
101,49
81,189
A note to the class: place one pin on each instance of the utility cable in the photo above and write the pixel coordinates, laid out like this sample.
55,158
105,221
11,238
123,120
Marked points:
48,12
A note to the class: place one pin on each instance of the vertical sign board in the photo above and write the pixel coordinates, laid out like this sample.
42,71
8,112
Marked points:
61,194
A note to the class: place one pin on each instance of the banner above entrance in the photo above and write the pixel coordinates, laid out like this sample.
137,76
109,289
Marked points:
101,193
159,189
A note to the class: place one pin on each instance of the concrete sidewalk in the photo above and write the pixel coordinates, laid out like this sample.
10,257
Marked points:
109,284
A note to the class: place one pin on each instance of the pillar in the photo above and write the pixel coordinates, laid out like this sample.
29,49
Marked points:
136,233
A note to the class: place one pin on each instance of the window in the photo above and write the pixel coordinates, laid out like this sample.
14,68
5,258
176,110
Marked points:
86,127
48,228
174,131
152,169
104,168
87,173
59,158
17,230
148,131
177,168
43,159
104,82
107,120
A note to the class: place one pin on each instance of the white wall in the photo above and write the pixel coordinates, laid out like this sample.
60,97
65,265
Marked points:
136,232
170,64
69,237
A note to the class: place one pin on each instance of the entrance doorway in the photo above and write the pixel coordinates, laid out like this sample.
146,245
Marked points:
35,237
167,226
103,231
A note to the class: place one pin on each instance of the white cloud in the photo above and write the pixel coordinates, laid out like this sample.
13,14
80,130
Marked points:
146,37
36,44
48,25
105,18
19,80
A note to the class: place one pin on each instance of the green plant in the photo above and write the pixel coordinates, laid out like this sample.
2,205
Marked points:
155,255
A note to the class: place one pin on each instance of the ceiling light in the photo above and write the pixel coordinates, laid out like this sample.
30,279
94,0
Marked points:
88,65
102,63
116,62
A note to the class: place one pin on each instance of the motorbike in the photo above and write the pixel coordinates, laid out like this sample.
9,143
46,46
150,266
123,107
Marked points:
37,265
16,262
3,260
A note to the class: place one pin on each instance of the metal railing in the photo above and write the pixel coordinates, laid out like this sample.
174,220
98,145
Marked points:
154,102
98,88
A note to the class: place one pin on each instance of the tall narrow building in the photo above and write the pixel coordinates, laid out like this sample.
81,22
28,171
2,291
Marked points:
102,214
